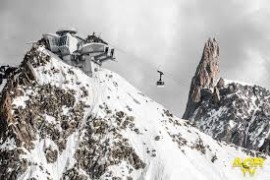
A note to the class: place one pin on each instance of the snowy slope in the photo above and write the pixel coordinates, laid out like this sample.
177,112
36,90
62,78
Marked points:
101,127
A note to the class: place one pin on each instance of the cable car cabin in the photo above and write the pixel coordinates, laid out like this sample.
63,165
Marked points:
160,82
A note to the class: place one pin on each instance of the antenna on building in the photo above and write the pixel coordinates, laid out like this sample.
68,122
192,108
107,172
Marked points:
31,42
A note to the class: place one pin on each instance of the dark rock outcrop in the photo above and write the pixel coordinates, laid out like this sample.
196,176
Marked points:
233,112
206,77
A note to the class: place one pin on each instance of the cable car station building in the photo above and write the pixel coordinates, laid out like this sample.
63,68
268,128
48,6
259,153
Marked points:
77,51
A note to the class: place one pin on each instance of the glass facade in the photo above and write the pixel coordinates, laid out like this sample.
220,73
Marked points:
63,41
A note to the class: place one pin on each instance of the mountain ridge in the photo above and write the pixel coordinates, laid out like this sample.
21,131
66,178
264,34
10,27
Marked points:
59,123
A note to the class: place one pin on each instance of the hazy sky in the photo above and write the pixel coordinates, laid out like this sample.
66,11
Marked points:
169,34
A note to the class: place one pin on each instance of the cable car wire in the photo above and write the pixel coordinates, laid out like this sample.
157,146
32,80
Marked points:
152,65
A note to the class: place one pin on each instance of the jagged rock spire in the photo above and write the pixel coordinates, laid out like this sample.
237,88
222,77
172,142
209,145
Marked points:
207,73
227,111
206,77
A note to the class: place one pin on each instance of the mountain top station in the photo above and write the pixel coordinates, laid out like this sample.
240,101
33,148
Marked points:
77,51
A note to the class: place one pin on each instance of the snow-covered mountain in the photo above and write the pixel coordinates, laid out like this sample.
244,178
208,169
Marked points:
58,123
235,112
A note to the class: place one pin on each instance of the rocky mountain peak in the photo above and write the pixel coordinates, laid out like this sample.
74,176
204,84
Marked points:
207,73
206,78
230,111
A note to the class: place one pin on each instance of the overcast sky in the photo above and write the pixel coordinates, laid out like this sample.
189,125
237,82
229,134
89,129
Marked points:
169,34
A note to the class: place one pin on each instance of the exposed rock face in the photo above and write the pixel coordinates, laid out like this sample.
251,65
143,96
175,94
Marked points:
206,77
57,123
12,134
233,112
49,114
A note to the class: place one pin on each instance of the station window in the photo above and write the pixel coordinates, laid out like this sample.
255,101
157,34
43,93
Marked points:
63,41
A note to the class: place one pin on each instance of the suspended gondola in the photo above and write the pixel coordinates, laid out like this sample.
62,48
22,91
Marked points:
160,82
